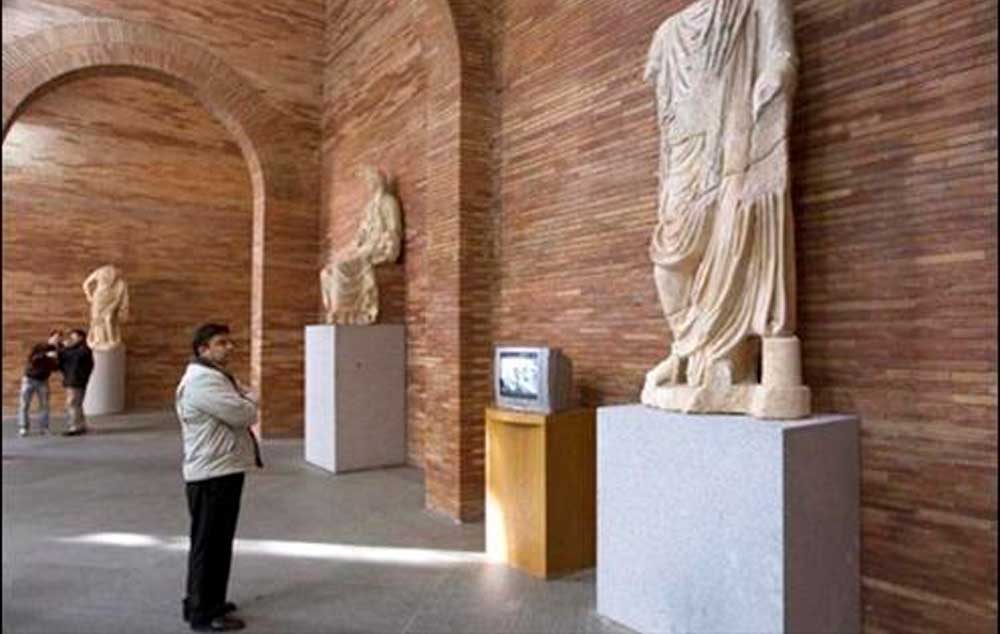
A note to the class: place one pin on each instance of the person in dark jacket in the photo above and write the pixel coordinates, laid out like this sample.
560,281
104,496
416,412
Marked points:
76,362
42,362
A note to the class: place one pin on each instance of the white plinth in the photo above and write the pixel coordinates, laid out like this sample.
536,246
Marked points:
106,388
355,396
727,524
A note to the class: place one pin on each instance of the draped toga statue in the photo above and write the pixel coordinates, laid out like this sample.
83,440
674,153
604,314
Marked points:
107,294
723,251
348,285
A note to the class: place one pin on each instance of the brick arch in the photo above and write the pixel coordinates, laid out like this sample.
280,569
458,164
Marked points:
35,62
460,262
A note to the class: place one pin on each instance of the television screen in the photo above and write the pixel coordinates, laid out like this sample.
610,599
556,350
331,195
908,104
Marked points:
519,375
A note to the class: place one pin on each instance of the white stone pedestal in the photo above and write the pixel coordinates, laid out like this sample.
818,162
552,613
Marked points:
709,523
355,396
106,388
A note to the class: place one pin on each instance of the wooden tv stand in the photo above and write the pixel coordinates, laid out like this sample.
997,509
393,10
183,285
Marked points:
541,489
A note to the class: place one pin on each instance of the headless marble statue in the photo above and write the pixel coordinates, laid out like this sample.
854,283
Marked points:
107,294
723,252
348,285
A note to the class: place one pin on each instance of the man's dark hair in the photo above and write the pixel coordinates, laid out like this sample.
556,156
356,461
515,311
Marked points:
79,331
205,333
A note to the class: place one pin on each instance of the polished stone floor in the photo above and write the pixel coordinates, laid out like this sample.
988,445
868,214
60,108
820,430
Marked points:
94,541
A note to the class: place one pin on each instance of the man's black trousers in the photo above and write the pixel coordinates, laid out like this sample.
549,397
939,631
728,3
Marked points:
215,506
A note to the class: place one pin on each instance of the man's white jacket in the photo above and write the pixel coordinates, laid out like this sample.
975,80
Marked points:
215,418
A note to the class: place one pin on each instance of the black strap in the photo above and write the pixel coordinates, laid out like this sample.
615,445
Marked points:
256,450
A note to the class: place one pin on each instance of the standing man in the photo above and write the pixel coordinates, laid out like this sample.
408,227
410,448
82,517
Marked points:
42,361
215,414
76,362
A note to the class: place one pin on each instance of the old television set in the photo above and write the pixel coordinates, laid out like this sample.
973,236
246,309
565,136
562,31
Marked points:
532,378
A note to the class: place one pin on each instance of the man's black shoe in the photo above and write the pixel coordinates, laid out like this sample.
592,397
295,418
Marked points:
220,624
186,611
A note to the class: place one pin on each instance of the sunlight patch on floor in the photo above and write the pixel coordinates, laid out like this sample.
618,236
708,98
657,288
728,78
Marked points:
297,549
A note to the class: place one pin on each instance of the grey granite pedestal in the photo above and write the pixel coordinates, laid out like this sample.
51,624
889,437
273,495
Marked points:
715,523
355,396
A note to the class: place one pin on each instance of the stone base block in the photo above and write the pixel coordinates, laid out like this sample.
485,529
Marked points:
106,388
757,400
355,409
727,523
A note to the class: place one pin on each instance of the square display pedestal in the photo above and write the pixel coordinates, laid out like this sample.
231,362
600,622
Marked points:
717,523
355,396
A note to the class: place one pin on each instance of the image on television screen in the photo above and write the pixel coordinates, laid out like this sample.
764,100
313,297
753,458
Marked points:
519,375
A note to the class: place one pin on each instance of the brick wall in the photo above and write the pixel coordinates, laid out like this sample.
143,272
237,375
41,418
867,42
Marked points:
127,171
896,187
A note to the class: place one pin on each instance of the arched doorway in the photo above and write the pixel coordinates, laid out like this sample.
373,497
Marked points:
102,168
284,208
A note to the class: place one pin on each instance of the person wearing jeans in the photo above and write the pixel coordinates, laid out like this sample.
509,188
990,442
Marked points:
76,362
35,383
215,414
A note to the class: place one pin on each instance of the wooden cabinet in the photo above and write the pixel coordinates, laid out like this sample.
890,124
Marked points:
541,490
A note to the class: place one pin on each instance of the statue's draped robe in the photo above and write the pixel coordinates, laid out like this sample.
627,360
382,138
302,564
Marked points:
350,280
725,216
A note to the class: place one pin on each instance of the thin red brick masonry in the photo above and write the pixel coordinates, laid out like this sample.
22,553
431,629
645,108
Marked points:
526,165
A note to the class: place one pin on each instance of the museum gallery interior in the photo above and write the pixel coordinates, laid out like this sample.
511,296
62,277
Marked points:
560,315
